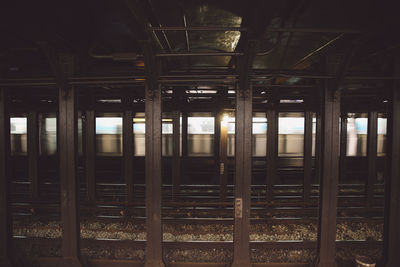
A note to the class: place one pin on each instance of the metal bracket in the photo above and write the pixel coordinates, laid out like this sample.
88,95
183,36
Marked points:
66,91
151,90
243,93
336,94
222,168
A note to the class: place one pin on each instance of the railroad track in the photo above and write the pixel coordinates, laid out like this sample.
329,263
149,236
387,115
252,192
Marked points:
227,246
198,207
284,244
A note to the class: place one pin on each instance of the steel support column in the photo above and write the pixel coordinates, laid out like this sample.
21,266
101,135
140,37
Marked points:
326,249
90,150
243,160
308,117
154,252
372,148
184,134
176,157
184,143
153,177
243,166
6,244
90,155
33,152
221,144
336,65
177,132
392,185
318,144
127,126
343,145
68,150
223,155
272,150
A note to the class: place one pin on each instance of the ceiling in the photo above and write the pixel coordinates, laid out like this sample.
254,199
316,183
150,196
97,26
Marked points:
106,37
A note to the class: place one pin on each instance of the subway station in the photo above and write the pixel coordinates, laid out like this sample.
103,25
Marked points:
199,133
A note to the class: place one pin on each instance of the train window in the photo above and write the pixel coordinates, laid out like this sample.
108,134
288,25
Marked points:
230,123
167,138
382,128
291,134
314,132
180,135
109,134
139,135
259,140
47,133
18,138
201,135
291,101
80,134
357,129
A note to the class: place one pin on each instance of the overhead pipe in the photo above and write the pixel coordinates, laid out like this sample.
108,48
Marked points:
242,29
115,56
273,48
134,56
210,54
225,80
258,76
166,79
197,28
205,68
186,34
54,83
216,28
199,76
221,54
242,54
319,49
